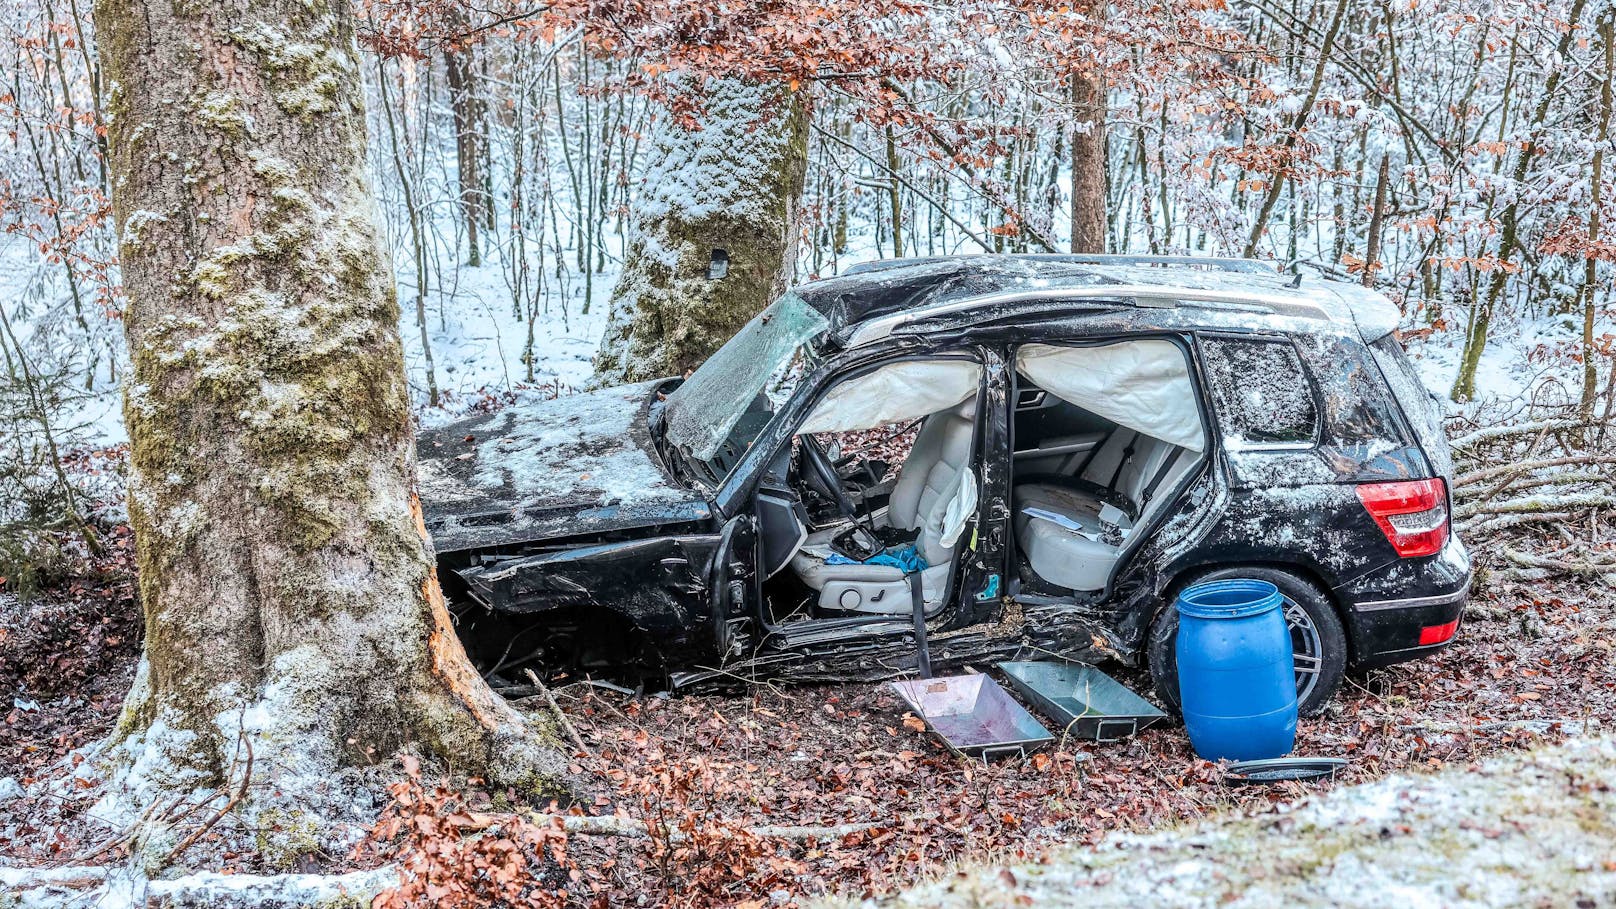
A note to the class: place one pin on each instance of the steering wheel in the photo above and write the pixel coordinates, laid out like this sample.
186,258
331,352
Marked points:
819,462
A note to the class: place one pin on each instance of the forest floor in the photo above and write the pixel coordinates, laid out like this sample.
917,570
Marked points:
1532,664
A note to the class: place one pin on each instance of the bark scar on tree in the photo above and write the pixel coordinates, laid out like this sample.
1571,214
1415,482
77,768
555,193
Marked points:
449,661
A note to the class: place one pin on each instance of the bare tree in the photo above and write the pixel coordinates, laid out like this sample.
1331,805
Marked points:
460,64
1509,225
289,591
1089,159
1590,275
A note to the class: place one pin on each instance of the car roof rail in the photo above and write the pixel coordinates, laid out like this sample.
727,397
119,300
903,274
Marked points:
1148,295
1205,263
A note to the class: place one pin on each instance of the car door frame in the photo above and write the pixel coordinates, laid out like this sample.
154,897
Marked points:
735,566
1120,588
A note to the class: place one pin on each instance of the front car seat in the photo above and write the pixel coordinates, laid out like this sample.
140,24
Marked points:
935,494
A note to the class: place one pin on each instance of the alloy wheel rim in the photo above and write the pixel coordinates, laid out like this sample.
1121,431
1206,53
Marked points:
1306,647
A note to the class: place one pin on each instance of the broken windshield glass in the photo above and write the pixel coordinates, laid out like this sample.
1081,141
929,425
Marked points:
754,373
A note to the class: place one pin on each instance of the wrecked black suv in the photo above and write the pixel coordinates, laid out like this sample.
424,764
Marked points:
1051,445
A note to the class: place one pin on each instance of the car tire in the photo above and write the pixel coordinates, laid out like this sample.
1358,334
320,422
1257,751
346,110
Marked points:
1322,633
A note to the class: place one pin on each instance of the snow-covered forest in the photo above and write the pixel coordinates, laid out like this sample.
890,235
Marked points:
508,154
538,178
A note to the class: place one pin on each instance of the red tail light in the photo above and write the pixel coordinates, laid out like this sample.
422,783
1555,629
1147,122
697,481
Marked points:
1437,634
1412,514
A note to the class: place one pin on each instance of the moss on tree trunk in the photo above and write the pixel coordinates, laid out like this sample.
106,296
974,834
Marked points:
286,579
723,191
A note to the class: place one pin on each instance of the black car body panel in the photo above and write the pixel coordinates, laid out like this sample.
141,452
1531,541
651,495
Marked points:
660,583
566,467
573,507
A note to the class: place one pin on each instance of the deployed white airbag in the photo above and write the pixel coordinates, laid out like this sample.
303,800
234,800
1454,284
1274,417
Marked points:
961,509
894,393
1143,385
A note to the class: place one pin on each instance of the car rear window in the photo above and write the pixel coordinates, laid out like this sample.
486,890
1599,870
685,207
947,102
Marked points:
1262,395
1420,406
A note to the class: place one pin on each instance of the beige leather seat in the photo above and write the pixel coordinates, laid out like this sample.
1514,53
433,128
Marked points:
1135,474
928,482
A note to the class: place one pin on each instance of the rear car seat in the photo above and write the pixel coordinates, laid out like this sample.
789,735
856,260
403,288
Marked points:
1131,472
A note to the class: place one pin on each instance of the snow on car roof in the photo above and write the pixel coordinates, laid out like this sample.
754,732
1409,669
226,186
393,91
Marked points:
872,299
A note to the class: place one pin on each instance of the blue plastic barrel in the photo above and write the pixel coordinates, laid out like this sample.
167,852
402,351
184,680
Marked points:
1236,672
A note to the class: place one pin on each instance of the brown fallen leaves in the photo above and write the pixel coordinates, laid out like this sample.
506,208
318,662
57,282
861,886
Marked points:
703,773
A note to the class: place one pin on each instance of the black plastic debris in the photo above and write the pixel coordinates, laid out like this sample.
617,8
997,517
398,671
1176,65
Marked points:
1279,770
1087,702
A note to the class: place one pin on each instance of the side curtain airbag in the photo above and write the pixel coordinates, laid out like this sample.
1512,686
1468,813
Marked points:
1144,385
895,393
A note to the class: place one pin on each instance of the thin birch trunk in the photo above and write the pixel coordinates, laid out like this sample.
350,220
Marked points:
1590,275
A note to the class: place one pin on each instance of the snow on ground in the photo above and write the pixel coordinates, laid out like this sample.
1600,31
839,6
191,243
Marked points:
124,889
478,340
477,345
35,296
1532,829
1514,362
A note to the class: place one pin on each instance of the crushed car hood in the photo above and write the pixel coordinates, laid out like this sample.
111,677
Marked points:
573,465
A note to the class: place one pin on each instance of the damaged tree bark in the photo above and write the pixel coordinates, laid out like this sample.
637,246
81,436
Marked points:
715,231
288,586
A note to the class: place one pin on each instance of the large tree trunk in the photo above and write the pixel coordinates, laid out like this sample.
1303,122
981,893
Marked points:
288,587
726,192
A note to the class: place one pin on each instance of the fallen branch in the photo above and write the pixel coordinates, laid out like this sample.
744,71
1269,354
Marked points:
1485,473
1522,483
35,886
1591,566
1537,504
555,709
118,838
69,877
614,825
1485,525
229,805
1492,433
1536,727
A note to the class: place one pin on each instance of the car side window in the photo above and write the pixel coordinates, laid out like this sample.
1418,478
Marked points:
1262,394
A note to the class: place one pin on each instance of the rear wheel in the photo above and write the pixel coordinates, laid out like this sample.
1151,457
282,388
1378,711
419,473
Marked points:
1317,639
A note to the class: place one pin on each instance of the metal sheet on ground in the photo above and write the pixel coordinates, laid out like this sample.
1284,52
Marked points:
974,716
1088,703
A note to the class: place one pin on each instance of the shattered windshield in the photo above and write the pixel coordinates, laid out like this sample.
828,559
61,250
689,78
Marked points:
750,376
